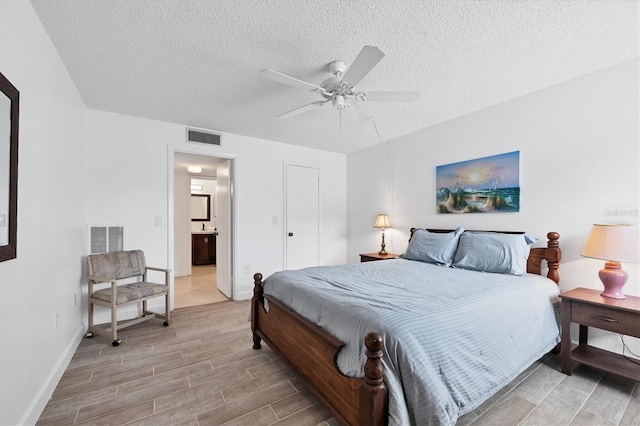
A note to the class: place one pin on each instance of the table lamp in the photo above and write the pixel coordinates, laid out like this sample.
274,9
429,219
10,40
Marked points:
613,243
382,221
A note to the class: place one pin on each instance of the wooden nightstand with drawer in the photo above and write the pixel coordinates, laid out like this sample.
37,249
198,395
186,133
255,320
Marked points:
589,309
370,257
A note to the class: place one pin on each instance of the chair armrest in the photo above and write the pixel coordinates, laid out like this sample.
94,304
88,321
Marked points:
150,268
99,279
157,269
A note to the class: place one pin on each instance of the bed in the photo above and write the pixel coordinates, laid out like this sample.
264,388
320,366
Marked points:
430,369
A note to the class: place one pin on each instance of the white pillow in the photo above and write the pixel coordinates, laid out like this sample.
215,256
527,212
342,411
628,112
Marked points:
492,252
433,247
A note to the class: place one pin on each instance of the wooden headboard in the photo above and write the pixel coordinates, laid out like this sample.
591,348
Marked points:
552,253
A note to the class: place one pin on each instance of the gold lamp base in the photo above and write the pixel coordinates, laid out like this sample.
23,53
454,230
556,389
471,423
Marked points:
382,251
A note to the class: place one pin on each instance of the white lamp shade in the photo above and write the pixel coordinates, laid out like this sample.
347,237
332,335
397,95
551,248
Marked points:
382,221
618,243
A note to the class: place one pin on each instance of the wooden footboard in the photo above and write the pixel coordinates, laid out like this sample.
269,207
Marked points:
312,354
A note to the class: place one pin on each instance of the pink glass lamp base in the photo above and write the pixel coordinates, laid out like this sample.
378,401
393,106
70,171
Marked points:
613,278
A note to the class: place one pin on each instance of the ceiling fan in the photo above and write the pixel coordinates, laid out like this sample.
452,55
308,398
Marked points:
340,89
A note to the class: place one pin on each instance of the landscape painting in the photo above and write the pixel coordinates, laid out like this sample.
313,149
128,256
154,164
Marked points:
483,185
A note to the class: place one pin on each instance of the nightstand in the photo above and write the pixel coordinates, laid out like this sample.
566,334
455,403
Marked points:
587,308
370,257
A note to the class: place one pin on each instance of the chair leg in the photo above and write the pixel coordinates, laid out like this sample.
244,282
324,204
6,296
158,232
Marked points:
114,324
167,314
90,312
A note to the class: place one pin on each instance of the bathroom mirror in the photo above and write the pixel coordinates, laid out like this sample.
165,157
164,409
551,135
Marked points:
200,207
9,112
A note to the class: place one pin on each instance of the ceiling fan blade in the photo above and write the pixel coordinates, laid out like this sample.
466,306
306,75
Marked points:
368,57
302,109
391,96
290,81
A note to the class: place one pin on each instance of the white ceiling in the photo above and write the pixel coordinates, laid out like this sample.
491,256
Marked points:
209,164
196,62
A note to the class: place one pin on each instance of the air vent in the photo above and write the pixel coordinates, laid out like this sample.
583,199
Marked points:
203,137
104,239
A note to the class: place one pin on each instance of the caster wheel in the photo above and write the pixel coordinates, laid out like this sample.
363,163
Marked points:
166,324
116,342
89,334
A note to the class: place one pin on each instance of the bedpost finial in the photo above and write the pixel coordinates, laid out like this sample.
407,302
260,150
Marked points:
257,285
373,342
373,369
553,255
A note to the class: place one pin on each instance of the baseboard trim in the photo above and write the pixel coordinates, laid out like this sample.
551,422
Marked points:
41,398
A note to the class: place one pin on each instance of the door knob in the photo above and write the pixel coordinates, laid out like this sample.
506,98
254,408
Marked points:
290,234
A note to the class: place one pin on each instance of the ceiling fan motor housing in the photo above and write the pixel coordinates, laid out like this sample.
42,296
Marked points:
335,85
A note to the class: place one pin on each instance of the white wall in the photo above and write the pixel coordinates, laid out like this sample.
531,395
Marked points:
42,281
579,162
137,149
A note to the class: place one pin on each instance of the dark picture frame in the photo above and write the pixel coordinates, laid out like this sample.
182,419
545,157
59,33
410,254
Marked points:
203,214
9,212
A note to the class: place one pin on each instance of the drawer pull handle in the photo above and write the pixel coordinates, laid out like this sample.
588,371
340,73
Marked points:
608,319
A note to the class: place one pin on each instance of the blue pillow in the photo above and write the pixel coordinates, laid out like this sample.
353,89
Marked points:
493,252
433,247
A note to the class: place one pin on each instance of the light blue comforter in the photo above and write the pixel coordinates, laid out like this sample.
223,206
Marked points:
452,337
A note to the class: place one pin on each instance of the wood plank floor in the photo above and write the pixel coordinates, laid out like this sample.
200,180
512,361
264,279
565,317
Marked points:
201,370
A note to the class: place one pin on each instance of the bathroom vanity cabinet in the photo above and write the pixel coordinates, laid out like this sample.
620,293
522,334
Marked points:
203,249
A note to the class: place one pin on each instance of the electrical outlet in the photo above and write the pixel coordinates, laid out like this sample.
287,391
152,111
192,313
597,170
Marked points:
247,269
157,221
274,220
55,326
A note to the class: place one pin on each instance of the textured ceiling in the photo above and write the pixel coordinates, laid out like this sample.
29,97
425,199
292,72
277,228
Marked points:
196,62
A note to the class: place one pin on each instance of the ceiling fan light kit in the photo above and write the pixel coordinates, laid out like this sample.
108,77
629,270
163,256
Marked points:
340,89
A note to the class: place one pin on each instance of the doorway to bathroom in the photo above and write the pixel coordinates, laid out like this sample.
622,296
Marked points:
202,209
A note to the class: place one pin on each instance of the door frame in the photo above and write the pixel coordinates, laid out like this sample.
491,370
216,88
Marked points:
171,151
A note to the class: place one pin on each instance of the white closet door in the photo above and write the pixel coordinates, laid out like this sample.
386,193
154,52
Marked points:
302,209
